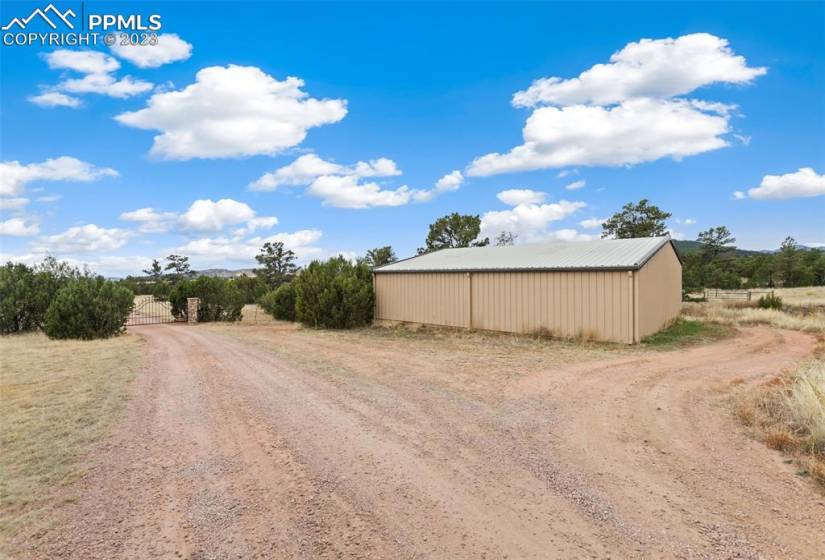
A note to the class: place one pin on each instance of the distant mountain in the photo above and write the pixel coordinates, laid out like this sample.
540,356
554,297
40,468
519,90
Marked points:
225,272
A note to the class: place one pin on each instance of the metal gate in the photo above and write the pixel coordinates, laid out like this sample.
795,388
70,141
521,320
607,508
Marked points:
151,311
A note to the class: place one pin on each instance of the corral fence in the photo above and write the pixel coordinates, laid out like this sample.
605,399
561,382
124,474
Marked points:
735,295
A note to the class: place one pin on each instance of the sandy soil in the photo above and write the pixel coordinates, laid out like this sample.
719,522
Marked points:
253,442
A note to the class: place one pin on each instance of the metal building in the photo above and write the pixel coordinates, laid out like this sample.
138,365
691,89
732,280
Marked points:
617,290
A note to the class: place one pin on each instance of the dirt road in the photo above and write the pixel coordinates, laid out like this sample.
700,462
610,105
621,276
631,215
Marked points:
255,443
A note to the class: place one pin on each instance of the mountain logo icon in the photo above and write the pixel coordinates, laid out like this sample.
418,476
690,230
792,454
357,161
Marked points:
43,14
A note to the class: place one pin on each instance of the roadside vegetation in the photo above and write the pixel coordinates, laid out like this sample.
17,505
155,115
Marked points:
61,300
688,332
57,398
788,413
744,315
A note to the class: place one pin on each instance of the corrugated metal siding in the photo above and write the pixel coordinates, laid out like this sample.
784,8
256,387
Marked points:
427,297
619,306
660,291
598,255
590,304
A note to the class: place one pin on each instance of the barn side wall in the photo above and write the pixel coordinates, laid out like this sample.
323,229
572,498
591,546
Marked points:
440,298
570,304
659,291
597,305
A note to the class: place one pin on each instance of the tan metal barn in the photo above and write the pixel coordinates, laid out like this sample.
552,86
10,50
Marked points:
617,290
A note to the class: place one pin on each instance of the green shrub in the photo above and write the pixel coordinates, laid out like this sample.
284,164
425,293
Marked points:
253,287
22,302
26,292
161,291
334,294
280,303
88,308
220,299
770,301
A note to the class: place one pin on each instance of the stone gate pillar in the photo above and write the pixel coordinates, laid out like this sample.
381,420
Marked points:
192,309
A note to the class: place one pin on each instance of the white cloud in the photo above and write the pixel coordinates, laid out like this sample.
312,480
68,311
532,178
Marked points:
685,221
637,131
105,84
19,227
97,68
347,191
55,99
343,186
592,223
232,111
804,183
218,249
514,197
169,48
107,265
202,215
85,62
626,112
565,172
7,204
150,220
450,182
255,224
206,215
531,222
14,176
576,185
660,68
309,167
49,198
83,239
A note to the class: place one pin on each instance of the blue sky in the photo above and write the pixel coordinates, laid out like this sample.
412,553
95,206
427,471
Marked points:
699,102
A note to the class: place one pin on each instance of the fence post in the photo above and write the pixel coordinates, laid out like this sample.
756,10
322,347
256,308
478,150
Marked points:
192,309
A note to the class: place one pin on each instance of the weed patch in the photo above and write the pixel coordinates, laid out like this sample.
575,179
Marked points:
686,332
788,414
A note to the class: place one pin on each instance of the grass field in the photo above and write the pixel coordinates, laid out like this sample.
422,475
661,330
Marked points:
736,315
57,397
811,295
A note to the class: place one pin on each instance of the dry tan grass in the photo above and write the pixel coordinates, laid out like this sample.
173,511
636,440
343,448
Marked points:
56,397
811,295
788,414
737,315
255,315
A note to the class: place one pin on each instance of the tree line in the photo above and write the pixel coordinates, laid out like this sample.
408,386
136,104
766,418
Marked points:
713,260
68,302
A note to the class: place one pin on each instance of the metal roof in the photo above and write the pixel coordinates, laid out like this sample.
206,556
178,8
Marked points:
600,254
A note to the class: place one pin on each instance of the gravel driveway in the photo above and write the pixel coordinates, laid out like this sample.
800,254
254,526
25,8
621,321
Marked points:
254,442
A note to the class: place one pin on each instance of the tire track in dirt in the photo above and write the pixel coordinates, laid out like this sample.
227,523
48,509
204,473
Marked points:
661,439
432,499
328,446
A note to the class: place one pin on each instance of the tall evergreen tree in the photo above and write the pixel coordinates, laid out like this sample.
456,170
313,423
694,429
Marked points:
636,220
